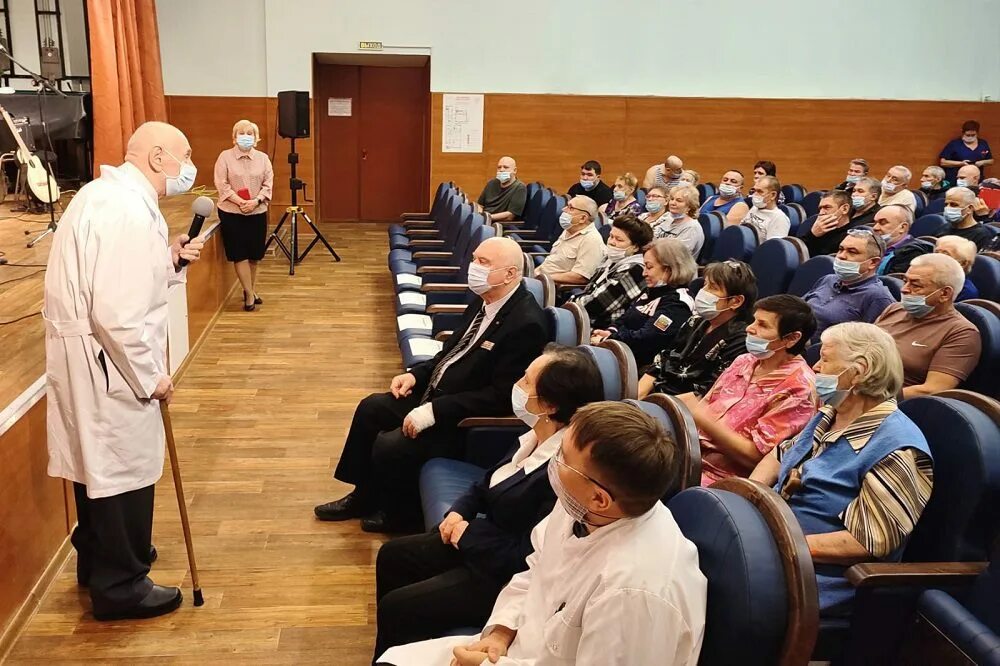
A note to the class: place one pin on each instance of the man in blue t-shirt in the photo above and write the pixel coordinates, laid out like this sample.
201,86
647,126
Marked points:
967,149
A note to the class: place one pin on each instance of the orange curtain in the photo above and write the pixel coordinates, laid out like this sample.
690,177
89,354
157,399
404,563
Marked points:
126,74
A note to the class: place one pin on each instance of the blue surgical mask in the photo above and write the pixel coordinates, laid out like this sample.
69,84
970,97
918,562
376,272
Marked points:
953,215
759,347
565,220
962,182
184,179
857,200
587,184
706,305
926,185
826,388
758,201
503,176
853,179
619,195
916,305
654,206
245,141
678,216
888,187
847,270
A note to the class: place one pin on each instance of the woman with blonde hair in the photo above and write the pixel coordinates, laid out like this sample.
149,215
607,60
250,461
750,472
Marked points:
681,222
623,200
244,179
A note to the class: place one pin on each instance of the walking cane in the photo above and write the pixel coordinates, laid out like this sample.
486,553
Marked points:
179,487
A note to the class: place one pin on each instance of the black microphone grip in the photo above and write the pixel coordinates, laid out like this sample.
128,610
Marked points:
193,233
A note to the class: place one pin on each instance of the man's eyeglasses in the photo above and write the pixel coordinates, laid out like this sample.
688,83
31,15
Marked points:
558,458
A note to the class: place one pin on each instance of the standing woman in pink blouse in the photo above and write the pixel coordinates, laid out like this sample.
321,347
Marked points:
244,178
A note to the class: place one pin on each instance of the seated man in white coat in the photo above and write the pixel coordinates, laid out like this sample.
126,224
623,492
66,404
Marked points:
106,364
612,581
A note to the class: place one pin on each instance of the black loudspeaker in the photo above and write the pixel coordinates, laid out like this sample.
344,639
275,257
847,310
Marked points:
293,114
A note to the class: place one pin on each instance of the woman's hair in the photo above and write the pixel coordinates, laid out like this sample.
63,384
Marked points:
631,454
736,279
794,316
768,166
673,254
882,368
970,126
628,180
694,175
661,189
243,126
639,233
568,381
690,193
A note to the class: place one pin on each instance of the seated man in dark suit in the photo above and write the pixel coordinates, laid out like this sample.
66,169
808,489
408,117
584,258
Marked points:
394,433
431,583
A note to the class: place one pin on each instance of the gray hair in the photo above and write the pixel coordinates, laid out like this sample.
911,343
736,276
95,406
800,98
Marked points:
945,271
967,196
901,210
673,254
907,174
964,248
880,367
936,171
586,204
874,183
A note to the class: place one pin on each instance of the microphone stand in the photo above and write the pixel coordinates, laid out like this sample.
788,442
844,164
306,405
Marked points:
42,84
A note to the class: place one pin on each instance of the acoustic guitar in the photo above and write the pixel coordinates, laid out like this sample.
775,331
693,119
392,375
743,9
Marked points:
41,184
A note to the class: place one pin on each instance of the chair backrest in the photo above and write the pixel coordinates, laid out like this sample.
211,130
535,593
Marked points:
763,605
562,326
618,370
533,207
810,202
794,193
985,274
921,202
800,247
808,273
794,214
811,354
536,289
935,207
679,422
735,242
548,290
893,284
806,226
705,190
605,231
582,319
712,224
929,225
992,306
774,263
960,520
640,196
984,377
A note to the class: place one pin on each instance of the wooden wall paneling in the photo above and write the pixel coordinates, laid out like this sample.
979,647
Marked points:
209,282
470,171
306,169
33,521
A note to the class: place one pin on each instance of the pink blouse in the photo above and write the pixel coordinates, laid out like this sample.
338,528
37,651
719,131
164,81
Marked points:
767,411
235,170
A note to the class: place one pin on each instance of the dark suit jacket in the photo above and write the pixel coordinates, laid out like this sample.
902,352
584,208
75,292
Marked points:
479,383
498,544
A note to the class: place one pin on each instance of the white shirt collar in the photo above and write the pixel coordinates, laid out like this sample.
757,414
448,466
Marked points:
493,308
531,455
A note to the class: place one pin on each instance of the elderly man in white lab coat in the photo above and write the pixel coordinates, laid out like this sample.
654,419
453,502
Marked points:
106,368
612,581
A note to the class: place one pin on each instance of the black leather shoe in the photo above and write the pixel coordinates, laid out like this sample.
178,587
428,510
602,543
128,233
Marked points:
351,506
256,299
159,601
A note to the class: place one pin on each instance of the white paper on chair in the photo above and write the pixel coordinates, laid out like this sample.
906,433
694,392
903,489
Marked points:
409,322
412,298
424,346
409,280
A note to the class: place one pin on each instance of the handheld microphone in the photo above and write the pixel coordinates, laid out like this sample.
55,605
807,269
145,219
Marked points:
202,208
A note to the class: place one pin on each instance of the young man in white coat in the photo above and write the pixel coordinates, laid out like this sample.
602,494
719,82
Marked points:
106,364
612,581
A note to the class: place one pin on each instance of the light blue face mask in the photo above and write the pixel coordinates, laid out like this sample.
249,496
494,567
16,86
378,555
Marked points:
826,388
916,305
245,141
962,182
503,176
953,215
184,179
853,179
619,195
857,200
587,184
926,185
565,220
758,347
654,206
847,270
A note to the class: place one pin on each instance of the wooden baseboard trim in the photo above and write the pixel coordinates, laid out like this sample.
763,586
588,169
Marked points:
27,610
196,347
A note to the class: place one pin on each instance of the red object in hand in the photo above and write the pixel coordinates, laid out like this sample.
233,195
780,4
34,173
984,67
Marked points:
244,193
990,196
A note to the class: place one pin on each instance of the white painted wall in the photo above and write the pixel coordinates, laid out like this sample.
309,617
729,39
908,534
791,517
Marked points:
867,49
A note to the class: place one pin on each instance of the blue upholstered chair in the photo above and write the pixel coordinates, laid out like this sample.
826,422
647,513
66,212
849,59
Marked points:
929,225
712,224
810,202
985,275
735,242
774,263
984,378
808,273
893,284
679,424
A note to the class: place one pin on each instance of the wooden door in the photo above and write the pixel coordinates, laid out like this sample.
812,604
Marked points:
338,142
395,104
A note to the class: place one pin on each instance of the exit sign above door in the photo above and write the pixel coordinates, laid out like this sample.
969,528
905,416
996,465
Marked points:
370,46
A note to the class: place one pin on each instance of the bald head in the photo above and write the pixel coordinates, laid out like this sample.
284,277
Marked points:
503,258
506,170
893,223
968,176
158,150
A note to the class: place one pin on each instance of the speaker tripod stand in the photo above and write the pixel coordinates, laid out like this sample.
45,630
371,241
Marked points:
292,215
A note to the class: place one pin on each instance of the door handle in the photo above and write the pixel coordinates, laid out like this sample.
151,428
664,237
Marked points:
364,154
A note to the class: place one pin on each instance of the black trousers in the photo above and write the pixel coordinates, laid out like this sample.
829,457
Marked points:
112,541
381,462
424,589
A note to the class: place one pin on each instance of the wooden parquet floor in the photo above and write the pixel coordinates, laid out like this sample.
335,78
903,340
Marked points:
260,417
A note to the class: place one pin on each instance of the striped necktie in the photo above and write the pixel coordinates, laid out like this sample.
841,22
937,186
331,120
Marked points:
462,345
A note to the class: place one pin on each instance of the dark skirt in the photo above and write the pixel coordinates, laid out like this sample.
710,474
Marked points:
243,236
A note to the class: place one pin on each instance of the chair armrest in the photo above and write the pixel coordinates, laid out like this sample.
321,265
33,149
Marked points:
439,270
430,232
426,242
491,421
429,254
913,574
419,224
443,335
446,308
416,216
567,287
540,254
512,223
443,287
529,242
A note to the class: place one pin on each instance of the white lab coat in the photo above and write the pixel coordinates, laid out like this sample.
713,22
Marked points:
629,594
106,335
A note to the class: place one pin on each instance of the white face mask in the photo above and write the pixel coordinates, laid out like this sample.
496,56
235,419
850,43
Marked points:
758,201
888,188
184,180
728,191
576,509
479,278
503,176
616,253
519,401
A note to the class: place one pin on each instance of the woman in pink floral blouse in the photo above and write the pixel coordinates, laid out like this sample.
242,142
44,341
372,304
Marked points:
765,397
